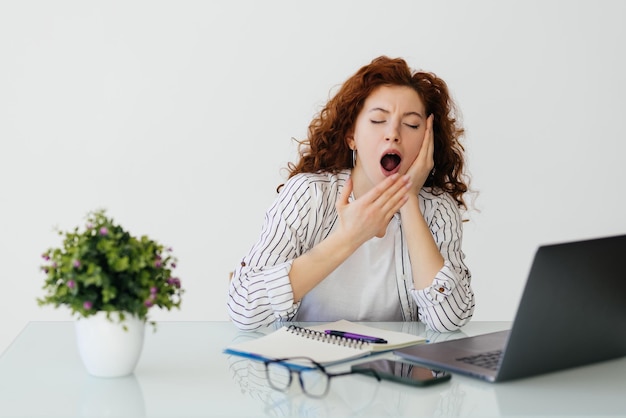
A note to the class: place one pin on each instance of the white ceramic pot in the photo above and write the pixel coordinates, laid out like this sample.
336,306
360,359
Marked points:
106,348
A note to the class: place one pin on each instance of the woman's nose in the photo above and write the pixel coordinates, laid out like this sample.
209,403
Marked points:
393,133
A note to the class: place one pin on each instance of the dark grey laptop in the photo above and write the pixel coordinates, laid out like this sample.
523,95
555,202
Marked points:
572,313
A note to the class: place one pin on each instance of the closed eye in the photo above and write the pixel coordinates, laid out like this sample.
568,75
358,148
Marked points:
412,126
377,121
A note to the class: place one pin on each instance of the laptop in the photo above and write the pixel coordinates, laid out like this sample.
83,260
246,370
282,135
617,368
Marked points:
572,313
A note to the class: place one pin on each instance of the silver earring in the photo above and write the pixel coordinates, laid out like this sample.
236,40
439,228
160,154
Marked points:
353,158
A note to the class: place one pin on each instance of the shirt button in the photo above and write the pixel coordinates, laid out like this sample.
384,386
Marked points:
441,289
243,264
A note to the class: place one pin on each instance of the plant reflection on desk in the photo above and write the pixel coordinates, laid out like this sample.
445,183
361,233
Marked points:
119,397
345,397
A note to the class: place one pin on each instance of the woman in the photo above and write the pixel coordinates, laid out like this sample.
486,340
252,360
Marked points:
368,225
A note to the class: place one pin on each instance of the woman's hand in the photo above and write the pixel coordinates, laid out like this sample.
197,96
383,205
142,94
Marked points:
426,260
369,215
424,162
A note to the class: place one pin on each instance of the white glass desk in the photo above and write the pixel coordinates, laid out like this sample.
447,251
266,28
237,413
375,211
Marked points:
183,373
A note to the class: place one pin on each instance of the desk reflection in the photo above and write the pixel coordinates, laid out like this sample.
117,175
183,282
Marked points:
349,395
251,378
111,397
572,392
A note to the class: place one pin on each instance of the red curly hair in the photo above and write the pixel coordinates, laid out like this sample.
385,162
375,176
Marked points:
326,148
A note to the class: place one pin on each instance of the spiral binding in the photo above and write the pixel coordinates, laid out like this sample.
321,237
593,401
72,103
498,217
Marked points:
327,338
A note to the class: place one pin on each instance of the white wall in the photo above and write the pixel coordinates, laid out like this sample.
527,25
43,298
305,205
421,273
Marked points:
178,116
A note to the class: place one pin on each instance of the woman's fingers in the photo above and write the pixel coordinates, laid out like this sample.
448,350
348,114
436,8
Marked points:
392,199
430,141
370,213
384,190
424,162
344,198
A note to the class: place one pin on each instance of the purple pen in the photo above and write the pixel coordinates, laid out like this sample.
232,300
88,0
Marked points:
353,336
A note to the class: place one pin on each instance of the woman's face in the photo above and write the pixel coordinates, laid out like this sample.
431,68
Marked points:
388,135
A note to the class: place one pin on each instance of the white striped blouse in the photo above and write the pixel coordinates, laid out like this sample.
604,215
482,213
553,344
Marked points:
303,215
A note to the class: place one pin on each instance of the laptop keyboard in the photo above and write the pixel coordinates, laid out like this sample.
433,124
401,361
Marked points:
488,360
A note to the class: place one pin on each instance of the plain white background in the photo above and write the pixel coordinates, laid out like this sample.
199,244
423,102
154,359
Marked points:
178,118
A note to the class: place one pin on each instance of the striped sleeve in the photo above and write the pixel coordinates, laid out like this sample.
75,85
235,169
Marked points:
260,291
448,303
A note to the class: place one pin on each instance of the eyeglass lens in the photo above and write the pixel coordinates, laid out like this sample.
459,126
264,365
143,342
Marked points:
314,382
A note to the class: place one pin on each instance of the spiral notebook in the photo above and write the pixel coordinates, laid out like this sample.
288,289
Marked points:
312,342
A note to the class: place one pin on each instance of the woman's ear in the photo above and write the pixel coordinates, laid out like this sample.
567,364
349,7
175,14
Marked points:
351,142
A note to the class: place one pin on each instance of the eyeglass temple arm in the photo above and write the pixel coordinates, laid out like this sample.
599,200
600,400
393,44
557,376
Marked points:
368,372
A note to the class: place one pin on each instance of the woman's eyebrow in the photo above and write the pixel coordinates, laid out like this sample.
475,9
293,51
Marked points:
414,113
380,109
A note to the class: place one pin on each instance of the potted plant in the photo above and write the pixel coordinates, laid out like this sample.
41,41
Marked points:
110,280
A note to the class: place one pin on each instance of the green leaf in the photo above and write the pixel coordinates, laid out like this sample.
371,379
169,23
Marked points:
121,264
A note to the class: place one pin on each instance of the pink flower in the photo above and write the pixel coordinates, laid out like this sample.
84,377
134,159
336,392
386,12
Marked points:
71,284
104,231
174,282
88,305
76,263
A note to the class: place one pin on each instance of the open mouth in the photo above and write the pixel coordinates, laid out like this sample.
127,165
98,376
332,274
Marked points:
390,163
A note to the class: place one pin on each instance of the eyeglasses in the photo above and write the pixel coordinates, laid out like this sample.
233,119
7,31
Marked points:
313,377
